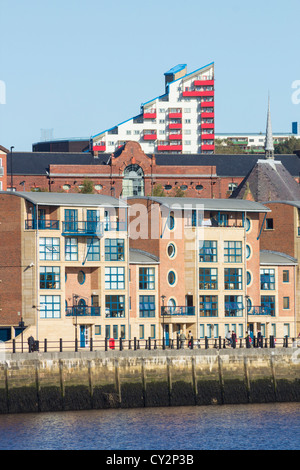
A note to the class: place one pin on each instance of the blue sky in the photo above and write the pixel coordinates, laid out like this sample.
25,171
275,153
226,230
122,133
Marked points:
79,67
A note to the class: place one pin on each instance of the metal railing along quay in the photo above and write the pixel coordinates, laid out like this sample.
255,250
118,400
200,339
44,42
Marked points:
120,344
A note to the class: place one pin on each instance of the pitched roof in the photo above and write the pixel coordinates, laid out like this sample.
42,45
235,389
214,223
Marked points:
68,199
268,180
232,205
37,163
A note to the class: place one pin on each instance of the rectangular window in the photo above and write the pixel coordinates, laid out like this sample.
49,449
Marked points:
115,331
208,305
286,276
233,252
49,249
71,220
152,332
233,278
114,306
268,303
107,331
114,249
208,252
147,306
269,224
71,249
286,303
142,331
122,332
93,249
97,330
286,329
146,278
114,278
201,330
49,306
208,278
234,306
267,279
49,277
240,330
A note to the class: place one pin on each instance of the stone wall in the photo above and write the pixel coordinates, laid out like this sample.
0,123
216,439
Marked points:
99,380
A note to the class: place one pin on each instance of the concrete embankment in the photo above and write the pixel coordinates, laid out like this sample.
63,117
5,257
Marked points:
41,382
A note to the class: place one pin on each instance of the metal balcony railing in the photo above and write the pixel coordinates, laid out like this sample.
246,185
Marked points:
83,311
33,224
177,311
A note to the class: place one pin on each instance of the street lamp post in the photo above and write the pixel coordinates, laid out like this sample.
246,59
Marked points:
163,315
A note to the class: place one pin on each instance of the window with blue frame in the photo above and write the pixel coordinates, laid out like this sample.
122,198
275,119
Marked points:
233,279
208,278
234,306
107,331
93,249
114,249
115,306
147,306
146,278
71,220
268,302
114,278
115,331
208,305
71,249
267,279
49,306
208,251
49,277
233,252
49,249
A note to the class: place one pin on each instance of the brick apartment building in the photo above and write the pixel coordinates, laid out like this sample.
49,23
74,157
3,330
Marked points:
92,266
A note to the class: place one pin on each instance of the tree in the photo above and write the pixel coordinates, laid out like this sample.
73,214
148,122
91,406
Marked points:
87,187
178,192
158,191
288,146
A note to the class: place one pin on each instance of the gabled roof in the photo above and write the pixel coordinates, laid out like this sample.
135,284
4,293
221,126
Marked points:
268,180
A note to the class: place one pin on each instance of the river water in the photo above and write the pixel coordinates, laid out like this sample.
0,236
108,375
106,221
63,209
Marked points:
229,427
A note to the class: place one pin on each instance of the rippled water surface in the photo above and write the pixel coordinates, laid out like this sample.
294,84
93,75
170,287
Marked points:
244,427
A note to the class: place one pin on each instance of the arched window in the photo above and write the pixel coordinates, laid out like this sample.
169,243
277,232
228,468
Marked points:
133,181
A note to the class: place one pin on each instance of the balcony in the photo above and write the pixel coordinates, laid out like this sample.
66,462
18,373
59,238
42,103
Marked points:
82,228
150,135
204,83
150,114
83,311
207,147
41,224
169,147
207,136
197,93
175,136
207,125
100,147
207,104
91,228
175,126
175,113
206,115
178,311
261,310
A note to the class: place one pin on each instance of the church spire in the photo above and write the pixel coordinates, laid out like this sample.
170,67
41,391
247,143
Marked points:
269,145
